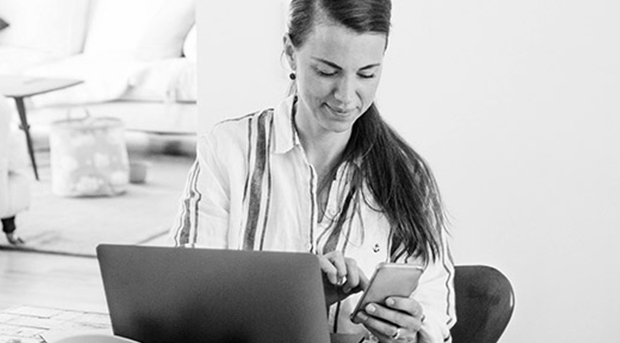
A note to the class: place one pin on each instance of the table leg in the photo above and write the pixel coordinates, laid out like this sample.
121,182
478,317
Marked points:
21,109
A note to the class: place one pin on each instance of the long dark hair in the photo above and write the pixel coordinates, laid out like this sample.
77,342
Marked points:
398,178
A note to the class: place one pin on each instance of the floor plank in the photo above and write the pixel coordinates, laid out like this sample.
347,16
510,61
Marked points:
49,280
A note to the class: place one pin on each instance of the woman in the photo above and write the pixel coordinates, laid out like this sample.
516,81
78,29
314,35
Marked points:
322,172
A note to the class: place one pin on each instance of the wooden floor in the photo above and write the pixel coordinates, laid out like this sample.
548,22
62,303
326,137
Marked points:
50,280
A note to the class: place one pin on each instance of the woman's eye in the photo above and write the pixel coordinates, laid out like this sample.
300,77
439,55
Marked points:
366,76
326,73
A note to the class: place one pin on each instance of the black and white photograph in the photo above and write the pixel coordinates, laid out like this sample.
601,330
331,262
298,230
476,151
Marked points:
326,171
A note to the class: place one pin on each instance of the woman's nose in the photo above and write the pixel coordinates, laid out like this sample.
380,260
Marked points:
345,91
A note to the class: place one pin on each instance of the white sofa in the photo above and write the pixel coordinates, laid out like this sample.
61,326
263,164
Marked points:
137,59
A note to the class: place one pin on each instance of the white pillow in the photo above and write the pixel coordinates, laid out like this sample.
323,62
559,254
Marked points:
190,45
166,32
135,26
53,26
116,25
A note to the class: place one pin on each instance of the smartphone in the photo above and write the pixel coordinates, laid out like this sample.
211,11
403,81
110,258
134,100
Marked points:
389,279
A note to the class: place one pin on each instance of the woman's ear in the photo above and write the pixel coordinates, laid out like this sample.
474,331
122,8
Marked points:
289,51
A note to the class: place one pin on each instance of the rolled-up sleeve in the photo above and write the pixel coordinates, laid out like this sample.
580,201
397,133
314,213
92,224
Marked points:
203,214
435,293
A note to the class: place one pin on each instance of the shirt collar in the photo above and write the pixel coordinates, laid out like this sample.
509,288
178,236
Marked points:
286,136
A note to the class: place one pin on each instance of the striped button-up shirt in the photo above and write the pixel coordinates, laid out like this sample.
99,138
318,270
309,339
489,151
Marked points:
252,187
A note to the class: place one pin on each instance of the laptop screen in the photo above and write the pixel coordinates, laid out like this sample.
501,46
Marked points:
165,294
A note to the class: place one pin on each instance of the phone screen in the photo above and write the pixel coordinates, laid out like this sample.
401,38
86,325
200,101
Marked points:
390,279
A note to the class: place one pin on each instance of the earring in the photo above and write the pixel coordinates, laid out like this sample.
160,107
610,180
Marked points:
292,76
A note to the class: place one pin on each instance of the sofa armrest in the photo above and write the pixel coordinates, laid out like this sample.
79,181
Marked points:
14,177
4,175
4,190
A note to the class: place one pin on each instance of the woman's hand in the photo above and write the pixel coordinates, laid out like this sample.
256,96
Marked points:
398,321
341,277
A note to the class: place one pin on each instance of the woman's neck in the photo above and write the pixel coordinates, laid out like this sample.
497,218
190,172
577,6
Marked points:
323,148
324,151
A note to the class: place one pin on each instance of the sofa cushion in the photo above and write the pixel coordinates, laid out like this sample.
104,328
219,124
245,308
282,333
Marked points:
185,89
15,60
105,78
173,79
52,26
149,29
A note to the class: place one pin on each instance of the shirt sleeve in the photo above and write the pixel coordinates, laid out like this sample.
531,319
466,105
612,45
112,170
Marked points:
435,293
203,214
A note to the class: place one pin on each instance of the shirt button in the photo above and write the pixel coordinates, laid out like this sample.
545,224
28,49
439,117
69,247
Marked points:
376,248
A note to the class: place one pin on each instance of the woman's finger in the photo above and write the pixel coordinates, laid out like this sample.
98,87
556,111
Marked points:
405,304
398,312
397,318
330,271
353,275
384,331
338,261
342,277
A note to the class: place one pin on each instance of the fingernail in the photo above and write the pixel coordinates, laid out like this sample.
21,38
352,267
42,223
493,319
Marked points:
346,289
361,316
342,280
390,302
370,308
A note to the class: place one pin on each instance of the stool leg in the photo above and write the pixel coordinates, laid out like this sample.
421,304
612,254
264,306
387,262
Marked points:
21,110
8,227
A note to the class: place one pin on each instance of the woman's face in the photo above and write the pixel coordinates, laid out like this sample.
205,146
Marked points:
338,71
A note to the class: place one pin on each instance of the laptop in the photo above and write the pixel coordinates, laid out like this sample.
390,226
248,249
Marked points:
165,294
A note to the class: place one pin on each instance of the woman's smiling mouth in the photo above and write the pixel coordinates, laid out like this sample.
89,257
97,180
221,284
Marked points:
340,112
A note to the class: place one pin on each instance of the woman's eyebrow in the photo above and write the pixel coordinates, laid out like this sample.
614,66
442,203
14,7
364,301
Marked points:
370,66
334,65
331,64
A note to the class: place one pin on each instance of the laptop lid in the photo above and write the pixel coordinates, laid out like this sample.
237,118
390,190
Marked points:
165,294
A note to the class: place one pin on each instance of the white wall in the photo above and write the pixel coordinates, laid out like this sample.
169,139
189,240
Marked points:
515,105
240,67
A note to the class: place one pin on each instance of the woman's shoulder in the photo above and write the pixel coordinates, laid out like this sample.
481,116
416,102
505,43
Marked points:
238,130
242,123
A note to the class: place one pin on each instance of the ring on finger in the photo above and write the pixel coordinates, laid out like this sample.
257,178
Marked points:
397,334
